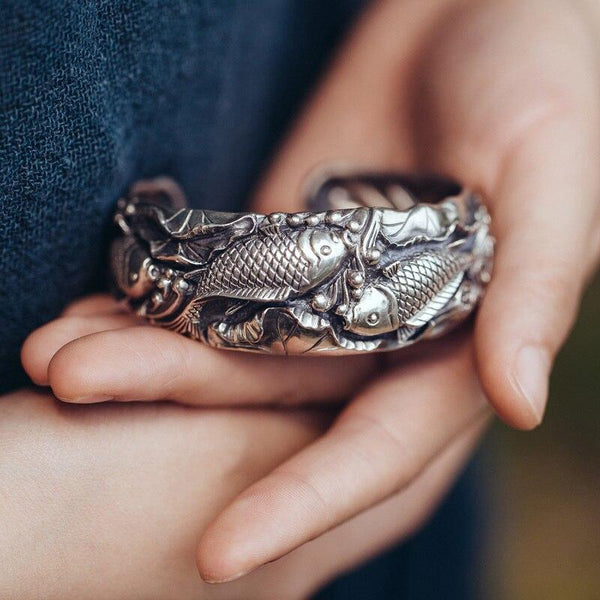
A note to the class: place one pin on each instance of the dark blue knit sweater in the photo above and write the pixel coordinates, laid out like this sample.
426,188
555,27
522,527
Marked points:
95,94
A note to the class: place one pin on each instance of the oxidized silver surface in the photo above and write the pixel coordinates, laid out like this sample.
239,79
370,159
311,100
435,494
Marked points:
381,262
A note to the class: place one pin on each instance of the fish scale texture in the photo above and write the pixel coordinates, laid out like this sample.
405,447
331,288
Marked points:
95,94
254,267
419,279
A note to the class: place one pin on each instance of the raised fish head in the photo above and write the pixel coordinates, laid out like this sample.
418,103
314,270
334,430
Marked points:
375,313
325,251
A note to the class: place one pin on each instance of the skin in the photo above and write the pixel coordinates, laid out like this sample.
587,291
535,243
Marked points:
108,502
501,94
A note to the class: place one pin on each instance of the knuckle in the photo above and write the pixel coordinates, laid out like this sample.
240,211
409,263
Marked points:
373,442
175,366
300,487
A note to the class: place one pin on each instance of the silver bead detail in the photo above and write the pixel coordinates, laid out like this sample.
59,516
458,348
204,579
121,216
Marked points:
373,255
153,272
355,278
181,285
333,217
163,283
320,302
353,226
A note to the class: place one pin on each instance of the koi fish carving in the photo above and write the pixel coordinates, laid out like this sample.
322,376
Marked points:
409,293
272,267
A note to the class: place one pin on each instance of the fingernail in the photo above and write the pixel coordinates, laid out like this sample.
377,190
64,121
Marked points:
86,399
216,580
531,377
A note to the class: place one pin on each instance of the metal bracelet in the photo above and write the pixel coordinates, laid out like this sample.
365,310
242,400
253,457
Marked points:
382,260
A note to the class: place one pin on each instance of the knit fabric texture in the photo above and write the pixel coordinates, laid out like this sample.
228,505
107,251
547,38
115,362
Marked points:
95,94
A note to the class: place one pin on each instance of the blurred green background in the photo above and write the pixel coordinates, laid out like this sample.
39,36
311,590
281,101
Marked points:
543,540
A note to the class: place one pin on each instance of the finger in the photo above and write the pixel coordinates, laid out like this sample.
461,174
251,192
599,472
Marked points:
382,441
92,305
149,363
543,260
43,343
531,140
385,524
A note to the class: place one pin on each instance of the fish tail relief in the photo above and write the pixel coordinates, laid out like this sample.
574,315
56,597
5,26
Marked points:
188,321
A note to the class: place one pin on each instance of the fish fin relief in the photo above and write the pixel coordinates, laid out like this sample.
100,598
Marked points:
270,229
396,267
393,269
436,303
404,332
257,294
235,306
185,324
196,275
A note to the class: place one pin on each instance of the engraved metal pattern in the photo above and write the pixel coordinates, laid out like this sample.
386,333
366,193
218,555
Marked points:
380,262
258,268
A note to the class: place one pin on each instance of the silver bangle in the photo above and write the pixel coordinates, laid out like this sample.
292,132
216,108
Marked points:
381,261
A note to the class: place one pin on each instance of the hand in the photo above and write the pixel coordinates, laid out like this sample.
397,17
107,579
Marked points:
108,501
503,96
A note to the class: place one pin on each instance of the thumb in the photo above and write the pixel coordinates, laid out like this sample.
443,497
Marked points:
547,222
513,106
